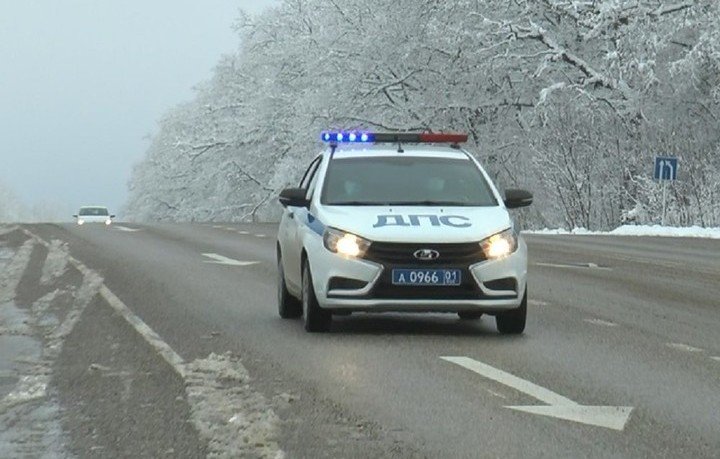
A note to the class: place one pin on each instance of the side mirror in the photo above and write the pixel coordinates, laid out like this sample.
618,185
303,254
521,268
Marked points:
515,198
112,216
294,197
75,216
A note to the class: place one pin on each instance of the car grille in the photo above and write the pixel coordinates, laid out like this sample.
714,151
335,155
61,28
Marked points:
389,253
401,255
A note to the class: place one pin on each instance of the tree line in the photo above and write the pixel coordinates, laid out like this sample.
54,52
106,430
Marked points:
571,99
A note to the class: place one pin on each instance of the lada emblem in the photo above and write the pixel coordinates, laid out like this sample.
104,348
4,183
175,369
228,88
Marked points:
426,254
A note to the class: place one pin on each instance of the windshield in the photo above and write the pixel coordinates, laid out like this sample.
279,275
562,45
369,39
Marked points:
94,211
410,180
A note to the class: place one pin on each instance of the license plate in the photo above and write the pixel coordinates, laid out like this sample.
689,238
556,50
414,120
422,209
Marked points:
426,276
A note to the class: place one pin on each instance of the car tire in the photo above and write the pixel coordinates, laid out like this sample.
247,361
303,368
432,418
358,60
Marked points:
289,307
316,318
469,315
513,322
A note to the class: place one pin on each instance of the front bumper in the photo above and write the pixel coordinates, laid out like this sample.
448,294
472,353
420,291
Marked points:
350,284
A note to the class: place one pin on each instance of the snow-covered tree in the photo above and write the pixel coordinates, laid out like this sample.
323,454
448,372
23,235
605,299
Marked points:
569,98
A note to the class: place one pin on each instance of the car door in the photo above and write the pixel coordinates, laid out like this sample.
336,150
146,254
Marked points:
291,231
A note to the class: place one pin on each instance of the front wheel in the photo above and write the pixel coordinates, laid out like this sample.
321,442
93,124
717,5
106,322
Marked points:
513,322
289,307
316,318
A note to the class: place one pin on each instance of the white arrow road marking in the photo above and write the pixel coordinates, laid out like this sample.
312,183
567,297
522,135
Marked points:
221,260
610,417
126,229
260,235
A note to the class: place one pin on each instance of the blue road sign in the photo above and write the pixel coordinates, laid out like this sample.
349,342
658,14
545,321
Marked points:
666,168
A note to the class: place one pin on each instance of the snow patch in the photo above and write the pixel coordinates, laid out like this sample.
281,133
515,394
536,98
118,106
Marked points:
55,263
234,420
11,274
29,417
30,387
637,230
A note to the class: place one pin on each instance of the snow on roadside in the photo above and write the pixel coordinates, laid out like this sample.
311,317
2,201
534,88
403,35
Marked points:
235,420
29,418
637,230
55,263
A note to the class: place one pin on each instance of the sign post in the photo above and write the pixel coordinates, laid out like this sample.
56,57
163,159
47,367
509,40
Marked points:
666,168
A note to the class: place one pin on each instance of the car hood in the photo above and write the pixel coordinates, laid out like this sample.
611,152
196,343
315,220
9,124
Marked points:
417,224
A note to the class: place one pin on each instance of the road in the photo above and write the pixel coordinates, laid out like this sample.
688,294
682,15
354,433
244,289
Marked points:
629,323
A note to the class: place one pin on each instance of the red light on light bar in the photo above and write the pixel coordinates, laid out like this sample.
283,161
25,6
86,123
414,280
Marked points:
443,138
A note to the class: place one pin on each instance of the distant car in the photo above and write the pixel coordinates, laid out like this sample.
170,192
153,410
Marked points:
400,222
93,214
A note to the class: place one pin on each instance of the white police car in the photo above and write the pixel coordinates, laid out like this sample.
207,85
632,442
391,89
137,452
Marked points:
400,222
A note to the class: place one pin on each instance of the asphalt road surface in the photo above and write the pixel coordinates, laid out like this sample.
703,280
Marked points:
620,358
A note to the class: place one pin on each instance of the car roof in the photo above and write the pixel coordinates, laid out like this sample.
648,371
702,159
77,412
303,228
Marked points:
388,149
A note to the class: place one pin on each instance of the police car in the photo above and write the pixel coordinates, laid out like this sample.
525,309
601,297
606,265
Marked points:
401,222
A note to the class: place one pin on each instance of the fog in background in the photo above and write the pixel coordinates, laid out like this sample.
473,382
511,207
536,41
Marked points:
83,82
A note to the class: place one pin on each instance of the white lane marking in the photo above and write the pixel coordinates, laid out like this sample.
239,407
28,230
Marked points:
610,417
537,303
161,347
126,229
260,235
683,347
218,227
716,358
222,260
242,232
604,323
574,265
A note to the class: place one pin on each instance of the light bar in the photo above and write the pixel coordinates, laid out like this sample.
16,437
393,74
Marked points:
391,137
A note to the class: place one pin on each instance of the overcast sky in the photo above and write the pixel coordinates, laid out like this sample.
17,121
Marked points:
83,82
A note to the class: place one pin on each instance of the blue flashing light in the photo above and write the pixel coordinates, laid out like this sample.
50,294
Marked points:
347,137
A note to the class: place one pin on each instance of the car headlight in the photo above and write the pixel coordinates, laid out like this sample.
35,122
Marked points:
343,243
108,221
500,245
81,221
